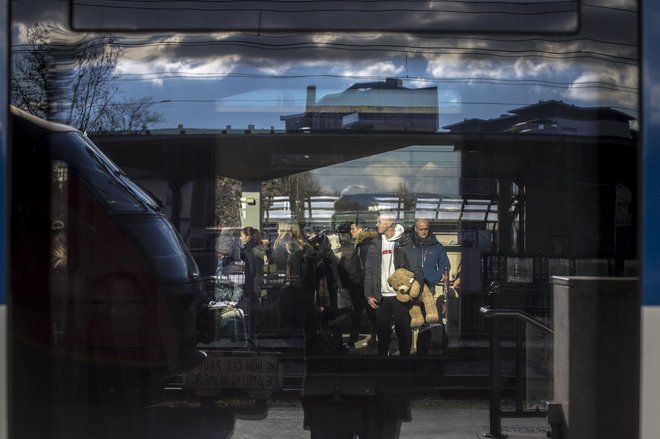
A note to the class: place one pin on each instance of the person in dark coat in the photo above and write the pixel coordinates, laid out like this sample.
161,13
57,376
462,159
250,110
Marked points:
296,259
434,260
328,285
252,253
352,267
337,410
391,249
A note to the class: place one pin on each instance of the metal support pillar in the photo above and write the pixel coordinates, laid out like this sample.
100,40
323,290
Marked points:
495,368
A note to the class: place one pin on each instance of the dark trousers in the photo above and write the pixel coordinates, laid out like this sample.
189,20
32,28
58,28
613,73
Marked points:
392,311
360,306
368,417
435,337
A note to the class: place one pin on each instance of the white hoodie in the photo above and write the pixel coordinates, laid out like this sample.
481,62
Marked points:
387,260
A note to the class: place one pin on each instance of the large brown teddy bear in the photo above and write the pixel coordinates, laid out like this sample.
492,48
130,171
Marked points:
409,290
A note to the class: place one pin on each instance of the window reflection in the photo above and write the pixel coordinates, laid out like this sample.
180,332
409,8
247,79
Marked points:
59,217
519,152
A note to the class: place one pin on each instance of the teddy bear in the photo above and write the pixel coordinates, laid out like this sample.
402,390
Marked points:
409,290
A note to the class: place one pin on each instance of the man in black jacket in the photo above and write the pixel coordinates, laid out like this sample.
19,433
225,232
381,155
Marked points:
389,250
352,267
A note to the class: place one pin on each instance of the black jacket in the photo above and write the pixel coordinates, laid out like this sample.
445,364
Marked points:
405,256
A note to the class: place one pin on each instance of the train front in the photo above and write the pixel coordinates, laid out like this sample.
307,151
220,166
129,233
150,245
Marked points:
106,298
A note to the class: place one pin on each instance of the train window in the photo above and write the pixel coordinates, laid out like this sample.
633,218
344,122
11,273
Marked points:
168,255
209,240
145,197
97,172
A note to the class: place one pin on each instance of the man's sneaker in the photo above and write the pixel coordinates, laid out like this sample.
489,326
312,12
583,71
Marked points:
350,344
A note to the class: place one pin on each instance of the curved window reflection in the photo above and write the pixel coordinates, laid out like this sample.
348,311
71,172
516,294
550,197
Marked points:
198,250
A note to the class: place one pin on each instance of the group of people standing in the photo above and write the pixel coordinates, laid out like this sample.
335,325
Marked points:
314,268
392,248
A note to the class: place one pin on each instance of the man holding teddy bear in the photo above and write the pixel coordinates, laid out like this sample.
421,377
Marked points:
389,250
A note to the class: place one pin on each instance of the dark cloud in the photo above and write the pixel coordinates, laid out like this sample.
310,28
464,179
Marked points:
596,31
588,56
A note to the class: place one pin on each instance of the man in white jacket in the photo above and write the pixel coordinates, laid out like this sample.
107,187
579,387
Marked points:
390,250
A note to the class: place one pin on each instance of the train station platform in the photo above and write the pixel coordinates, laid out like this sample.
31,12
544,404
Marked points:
441,421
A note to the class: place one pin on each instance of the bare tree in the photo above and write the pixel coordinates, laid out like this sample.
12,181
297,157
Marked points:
228,195
65,75
93,91
130,116
29,76
297,187
70,78
405,195
228,201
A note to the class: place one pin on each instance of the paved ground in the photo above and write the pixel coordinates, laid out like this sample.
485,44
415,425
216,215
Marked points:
178,419
426,423
431,418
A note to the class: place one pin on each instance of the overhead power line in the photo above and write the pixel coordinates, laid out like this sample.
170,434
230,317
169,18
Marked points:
396,49
471,80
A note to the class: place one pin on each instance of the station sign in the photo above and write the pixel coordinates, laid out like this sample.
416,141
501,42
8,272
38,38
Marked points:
221,370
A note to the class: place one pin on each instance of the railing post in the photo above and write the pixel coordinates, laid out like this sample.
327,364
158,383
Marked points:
520,363
495,368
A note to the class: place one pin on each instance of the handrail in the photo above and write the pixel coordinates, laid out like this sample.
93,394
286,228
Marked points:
495,411
487,311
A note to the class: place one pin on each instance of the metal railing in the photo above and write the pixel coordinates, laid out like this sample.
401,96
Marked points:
512,312
494,313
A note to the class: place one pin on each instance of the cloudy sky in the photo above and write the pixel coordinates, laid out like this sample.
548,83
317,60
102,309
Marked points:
586,56
222,66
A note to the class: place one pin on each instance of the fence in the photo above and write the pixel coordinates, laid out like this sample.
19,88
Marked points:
524,283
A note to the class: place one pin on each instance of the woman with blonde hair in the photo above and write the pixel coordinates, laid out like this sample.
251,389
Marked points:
292,256
289,239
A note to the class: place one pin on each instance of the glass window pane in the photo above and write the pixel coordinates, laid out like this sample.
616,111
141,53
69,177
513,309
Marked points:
237,157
